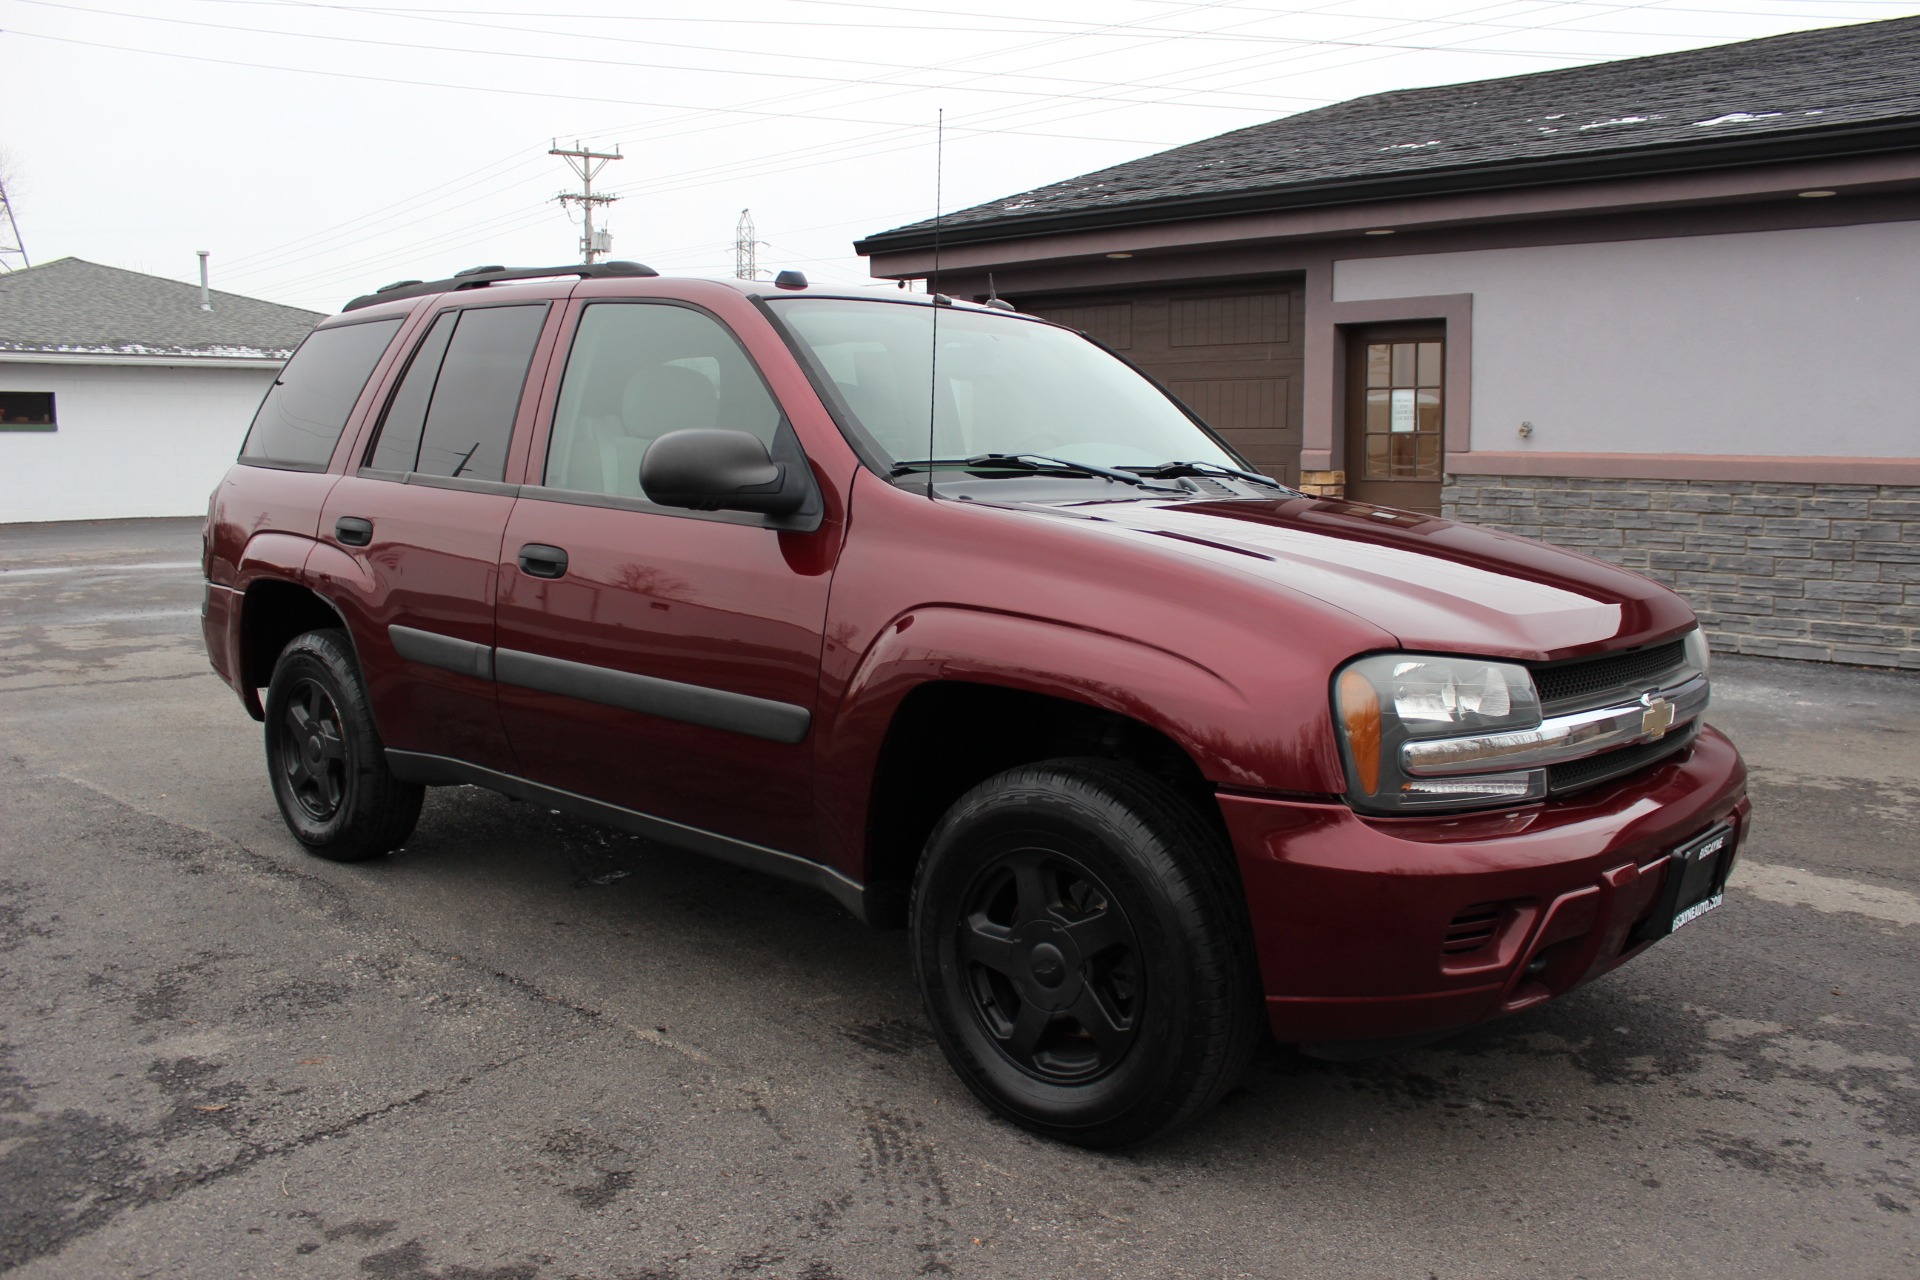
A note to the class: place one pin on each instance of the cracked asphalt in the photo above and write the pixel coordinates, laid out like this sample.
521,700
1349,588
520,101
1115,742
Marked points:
525,1047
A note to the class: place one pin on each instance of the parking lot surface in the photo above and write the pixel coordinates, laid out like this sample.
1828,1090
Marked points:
527,1047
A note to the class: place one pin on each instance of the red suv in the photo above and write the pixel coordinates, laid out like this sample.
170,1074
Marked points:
952,613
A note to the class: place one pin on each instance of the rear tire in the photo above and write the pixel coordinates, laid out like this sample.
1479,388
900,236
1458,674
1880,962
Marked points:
1081,943
325,758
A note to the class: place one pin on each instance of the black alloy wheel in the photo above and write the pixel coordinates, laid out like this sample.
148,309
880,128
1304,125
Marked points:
325,758
1081,942
313,751
1051,964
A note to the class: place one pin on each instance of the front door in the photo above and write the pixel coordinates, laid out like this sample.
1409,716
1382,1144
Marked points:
1396,411
662,660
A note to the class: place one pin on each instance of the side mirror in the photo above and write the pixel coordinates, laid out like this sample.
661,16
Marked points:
709,470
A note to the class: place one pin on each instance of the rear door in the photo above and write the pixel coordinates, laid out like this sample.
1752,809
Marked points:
658,659
422,517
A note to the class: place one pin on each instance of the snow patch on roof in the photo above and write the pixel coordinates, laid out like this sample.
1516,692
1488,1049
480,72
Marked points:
1603,124
1411,146
1739,117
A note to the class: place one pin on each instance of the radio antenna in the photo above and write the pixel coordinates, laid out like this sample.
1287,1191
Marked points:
933,289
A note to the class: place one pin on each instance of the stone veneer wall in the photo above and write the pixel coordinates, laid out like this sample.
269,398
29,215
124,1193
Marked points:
1829,572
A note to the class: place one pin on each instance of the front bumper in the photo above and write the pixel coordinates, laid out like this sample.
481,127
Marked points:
1358,920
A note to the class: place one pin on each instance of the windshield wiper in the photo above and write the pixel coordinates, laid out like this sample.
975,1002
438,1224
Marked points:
1023,462
1170,470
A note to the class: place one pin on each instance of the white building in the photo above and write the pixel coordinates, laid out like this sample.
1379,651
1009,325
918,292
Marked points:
120,395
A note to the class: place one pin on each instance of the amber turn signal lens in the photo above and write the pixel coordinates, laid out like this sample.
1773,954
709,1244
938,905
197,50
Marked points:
1360,709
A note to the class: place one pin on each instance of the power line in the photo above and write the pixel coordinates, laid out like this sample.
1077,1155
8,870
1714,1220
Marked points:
611,62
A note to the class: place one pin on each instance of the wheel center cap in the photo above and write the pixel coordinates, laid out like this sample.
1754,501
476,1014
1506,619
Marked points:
313,749
1048,965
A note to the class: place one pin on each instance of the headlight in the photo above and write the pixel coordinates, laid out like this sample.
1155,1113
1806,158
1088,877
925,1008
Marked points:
1698,654
1384,701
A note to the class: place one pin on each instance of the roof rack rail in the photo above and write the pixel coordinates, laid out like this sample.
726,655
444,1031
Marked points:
480,277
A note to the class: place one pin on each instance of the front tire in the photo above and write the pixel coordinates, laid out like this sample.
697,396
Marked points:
326,760
1082,947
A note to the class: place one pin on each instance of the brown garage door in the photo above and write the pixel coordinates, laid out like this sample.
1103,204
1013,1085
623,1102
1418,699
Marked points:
1232,354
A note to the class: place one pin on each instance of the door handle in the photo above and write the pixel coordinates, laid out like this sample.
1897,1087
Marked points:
353,531
537,560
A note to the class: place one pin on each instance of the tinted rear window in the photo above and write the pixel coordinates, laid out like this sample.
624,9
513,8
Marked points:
306,408
477,395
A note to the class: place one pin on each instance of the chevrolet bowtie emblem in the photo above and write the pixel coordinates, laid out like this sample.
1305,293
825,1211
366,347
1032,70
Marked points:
1658,716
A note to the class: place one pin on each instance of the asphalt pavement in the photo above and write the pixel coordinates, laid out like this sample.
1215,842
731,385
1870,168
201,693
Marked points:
527,1047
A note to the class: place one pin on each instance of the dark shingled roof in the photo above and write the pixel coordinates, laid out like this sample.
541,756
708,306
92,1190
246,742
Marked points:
78,307
1835,91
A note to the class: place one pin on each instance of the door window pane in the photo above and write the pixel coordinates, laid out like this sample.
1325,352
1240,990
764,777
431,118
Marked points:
1403,372
1379,364
1429,364
1429,409
1378,410
470,419
638,371
307,406
398,448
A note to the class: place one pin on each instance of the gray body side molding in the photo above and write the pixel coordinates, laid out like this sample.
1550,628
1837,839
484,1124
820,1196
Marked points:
670,699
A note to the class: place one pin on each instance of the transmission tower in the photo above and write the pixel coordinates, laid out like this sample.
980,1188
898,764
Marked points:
586,166
11,246
746,250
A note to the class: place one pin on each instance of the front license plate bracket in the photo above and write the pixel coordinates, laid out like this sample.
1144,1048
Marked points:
1696,881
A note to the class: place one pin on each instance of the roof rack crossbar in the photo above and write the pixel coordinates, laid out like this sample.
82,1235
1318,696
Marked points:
480,277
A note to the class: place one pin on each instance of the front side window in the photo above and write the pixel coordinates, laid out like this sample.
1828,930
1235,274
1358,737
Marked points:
636,372
1000,384
306,408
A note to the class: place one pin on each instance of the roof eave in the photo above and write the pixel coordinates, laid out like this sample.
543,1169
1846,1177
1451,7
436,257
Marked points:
1819,142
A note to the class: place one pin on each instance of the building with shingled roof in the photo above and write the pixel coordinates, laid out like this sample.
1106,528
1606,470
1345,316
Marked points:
1659,309
121,394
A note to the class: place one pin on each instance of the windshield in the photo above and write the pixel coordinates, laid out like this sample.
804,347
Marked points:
1003,384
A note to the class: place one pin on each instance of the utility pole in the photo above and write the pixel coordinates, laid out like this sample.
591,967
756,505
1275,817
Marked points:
587,165
11,246
746,258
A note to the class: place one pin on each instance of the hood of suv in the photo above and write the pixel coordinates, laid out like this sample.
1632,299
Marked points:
1430,582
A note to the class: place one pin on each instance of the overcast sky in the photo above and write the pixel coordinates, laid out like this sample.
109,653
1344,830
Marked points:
322,149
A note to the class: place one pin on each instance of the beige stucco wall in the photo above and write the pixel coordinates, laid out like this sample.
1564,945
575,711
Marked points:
1785,343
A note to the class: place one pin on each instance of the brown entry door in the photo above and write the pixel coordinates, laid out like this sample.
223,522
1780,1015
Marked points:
1396,409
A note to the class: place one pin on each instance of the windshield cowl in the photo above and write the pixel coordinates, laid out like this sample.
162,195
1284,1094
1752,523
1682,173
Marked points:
1059,488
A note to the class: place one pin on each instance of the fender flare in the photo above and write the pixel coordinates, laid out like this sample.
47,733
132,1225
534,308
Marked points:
289,560
1169,692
